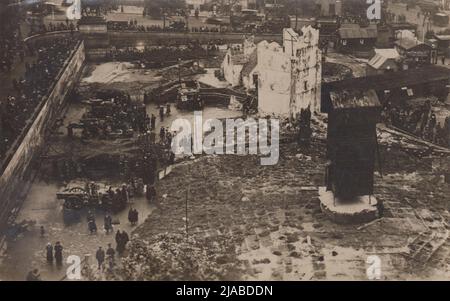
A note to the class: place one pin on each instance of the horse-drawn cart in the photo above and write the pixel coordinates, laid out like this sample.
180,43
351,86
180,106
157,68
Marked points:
78,195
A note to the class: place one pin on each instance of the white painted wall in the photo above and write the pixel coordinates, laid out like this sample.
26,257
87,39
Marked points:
276,65
231,72
274,79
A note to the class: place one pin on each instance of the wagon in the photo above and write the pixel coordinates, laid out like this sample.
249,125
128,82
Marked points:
78,195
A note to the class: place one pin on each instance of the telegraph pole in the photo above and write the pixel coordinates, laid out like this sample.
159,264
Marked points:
186,206
186,217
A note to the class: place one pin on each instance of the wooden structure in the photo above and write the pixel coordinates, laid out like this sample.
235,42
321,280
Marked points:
356,39
416,53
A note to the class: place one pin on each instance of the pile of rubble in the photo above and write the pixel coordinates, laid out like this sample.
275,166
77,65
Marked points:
247,221
171,256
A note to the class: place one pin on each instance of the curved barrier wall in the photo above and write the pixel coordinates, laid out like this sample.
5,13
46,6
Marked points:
16,172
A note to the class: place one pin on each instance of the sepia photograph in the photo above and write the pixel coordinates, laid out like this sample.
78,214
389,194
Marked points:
256,141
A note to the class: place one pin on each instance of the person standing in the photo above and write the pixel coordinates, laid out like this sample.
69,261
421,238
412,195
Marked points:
58,253
92,226
108,223
100,256
168,138
110,253
90,215
151,193
153,122
122,242
118,238
49,251
162,134
161,113
120,247
125,238
130,215
152,137
135,217
125,195
380,208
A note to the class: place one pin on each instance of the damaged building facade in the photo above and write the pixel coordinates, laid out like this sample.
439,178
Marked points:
286,78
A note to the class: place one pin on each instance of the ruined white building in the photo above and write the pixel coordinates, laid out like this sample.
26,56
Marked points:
287,77
236,58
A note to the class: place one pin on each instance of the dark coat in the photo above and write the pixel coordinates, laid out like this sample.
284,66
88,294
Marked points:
100,255
110,252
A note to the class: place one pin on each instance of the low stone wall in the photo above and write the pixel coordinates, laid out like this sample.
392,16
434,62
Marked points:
18,168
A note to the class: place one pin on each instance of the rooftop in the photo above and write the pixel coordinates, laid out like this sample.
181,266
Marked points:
381,56
390,53
403,25
392,80
442,37
408,44
358,32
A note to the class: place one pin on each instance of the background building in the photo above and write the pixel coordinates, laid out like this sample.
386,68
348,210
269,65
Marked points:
329,7
384,60
357,39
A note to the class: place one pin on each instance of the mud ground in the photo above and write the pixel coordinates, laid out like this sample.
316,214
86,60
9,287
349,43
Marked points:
250,222
26,249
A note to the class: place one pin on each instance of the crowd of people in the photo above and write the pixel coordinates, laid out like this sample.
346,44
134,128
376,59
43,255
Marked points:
177,26
54,253
133,25
32,86
11,46
174,53
155,151
115,115
101,256
51,27
420,121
